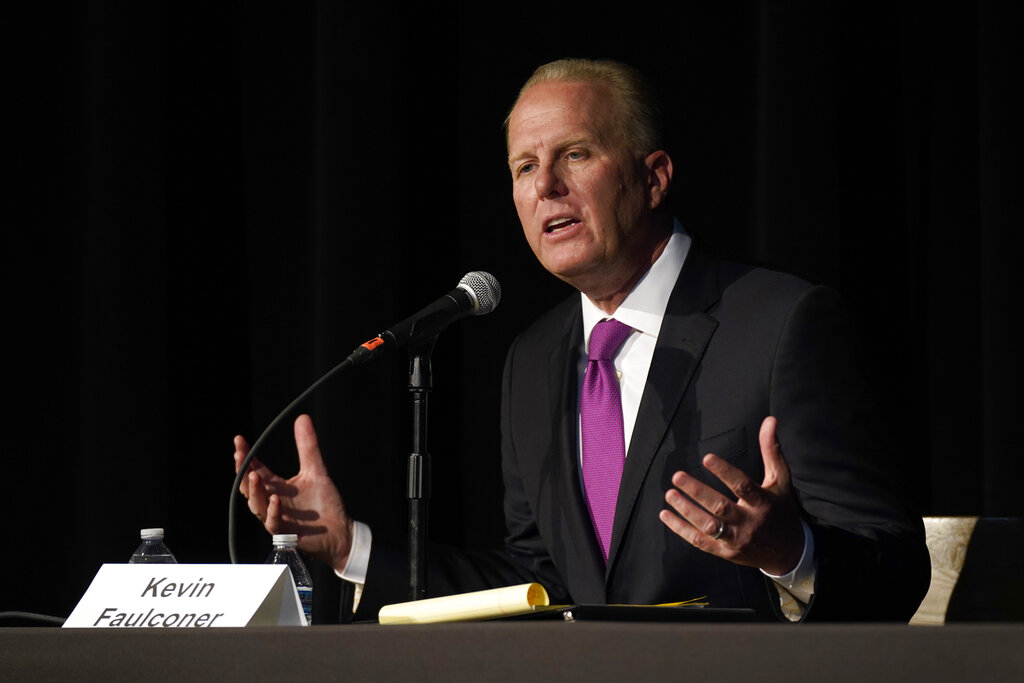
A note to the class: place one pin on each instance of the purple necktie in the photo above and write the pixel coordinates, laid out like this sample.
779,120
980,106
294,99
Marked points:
604,446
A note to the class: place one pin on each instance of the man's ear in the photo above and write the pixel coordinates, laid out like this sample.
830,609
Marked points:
659,177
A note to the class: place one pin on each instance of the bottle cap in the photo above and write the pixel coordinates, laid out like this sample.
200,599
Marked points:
286,539
152,533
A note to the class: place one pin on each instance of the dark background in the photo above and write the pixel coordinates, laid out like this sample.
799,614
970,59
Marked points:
209,205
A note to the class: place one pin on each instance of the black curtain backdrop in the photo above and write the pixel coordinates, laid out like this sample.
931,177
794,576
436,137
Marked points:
209,205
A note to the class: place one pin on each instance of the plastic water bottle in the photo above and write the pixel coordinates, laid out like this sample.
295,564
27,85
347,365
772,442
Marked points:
152,549
284,552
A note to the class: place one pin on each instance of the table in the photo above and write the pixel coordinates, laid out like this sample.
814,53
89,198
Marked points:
523,651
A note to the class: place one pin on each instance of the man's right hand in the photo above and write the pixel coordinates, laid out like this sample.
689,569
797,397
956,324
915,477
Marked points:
307,504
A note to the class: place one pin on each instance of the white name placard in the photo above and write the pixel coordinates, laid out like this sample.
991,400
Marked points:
188,596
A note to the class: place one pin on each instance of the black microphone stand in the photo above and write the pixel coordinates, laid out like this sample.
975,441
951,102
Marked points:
420,384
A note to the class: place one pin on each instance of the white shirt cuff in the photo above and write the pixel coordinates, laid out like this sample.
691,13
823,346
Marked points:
800,581
359,556
358,561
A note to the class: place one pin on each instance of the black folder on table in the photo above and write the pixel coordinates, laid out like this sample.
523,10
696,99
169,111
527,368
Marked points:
651,613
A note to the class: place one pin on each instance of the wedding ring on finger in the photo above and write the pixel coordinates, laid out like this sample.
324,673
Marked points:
718,534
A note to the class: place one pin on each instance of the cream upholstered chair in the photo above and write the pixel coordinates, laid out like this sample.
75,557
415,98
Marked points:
977,570
947,539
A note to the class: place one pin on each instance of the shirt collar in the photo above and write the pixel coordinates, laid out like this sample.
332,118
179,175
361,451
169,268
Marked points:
644,307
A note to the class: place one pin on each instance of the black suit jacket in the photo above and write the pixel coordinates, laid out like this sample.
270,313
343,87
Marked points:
737,344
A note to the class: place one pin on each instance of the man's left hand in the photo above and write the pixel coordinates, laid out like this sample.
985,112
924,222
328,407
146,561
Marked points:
761,528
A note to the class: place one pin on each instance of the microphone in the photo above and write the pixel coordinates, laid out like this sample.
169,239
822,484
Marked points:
477,293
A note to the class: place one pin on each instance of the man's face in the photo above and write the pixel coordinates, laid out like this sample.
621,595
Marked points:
582,197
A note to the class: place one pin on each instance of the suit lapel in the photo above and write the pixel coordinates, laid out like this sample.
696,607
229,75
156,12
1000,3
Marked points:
685,332
563,389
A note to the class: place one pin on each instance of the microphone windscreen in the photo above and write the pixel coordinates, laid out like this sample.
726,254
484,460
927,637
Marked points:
484,289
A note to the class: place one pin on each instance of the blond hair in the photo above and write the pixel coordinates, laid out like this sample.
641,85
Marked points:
639,111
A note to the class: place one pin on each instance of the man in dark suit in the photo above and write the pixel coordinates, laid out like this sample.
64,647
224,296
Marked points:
737,402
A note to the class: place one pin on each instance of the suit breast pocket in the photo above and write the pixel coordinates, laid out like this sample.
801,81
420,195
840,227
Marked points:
730,445
727,445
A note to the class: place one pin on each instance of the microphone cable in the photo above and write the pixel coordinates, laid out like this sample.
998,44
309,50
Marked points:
255,447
